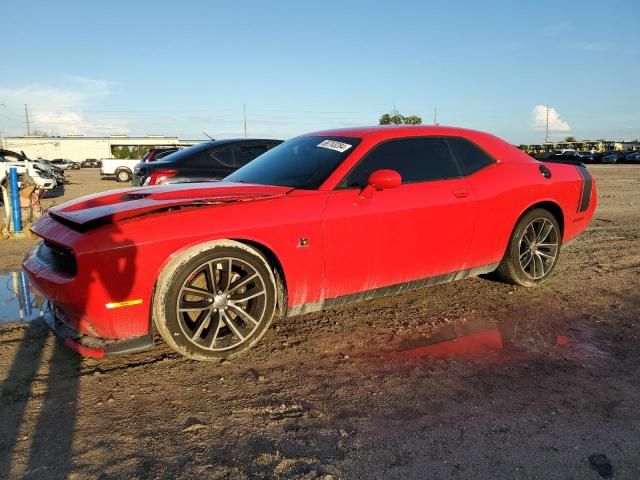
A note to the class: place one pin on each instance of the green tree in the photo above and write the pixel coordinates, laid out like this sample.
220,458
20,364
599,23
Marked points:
570,139
395,118
122,152
413,120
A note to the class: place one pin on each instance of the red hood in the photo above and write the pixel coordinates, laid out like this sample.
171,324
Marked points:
118,205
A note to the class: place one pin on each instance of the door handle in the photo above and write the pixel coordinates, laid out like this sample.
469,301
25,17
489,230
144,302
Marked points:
460,193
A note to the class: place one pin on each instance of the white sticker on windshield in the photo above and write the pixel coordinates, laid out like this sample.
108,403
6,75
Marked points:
334,145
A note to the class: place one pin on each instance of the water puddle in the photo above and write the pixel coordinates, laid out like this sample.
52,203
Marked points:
497,342
18,302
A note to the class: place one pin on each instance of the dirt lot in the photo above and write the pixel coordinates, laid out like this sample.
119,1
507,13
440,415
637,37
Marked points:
356,392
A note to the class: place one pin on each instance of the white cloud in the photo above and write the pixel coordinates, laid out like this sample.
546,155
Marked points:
64,110
556,124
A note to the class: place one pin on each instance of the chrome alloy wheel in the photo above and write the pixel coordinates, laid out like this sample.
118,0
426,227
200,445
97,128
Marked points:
538,248
221,304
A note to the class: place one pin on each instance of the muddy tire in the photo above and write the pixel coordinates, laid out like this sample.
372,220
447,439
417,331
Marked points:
215,301
533,250
123,175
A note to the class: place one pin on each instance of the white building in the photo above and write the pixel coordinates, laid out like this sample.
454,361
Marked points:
78,147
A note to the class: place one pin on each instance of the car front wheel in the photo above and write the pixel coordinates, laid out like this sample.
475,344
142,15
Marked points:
215,301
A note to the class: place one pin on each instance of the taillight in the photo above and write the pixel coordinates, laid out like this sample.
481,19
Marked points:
161,176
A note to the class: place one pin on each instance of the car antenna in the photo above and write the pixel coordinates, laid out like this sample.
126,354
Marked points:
210,137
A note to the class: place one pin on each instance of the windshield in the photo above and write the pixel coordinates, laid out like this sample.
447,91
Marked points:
302,162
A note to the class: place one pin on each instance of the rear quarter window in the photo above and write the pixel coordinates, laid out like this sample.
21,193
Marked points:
469,156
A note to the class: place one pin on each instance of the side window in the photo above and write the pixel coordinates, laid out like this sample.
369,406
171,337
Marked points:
245,154
470,157
415,159
223,157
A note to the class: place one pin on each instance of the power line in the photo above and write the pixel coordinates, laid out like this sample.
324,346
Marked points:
10,111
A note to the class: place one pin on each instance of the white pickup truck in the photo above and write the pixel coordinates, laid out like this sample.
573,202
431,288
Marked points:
121,169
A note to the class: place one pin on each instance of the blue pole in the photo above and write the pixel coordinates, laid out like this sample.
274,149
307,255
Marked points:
15,200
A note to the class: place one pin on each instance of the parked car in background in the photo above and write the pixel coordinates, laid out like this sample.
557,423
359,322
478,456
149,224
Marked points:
321,220
613,157
36,170
203,162
633,157
590,157
65,164
567,156
121,169
158,153
53,169
566,153
90,163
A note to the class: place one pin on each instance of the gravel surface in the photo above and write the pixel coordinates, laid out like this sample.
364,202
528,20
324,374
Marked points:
547,389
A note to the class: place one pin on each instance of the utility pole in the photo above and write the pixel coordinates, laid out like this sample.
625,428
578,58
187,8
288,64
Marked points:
26,115
546,133
435,115
244,108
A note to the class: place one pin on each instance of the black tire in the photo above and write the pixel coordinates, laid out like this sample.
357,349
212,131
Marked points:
123,175
215,324
526,244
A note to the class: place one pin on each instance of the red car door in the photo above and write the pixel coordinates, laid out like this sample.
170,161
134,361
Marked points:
421,229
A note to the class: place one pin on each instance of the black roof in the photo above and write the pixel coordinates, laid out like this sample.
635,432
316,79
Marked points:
233,141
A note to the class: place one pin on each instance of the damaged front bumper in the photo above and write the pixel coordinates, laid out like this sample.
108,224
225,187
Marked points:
87,345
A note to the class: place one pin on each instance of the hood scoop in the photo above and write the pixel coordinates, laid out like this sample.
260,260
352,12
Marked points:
99,209
134,196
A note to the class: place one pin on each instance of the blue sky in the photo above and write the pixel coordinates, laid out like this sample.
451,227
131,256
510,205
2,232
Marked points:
178,68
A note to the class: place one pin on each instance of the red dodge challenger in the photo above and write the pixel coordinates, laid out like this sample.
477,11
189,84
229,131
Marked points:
321,220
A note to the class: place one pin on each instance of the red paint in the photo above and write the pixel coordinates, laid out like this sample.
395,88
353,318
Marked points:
84,351
474,343
396,235
561,340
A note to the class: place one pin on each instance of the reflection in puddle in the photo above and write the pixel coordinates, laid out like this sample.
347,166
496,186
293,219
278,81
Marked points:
18,303
442,345
479,338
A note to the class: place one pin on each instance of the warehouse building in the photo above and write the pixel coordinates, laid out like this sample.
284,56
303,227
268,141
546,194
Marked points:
79,147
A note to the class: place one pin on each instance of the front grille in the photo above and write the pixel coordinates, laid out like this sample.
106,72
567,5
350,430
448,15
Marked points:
58,258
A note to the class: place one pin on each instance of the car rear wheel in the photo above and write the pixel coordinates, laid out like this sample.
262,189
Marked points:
123,175
215,301
533,249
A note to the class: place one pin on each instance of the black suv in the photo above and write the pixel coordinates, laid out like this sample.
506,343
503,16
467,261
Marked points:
203,162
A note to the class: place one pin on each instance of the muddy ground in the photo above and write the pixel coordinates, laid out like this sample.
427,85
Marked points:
355,392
